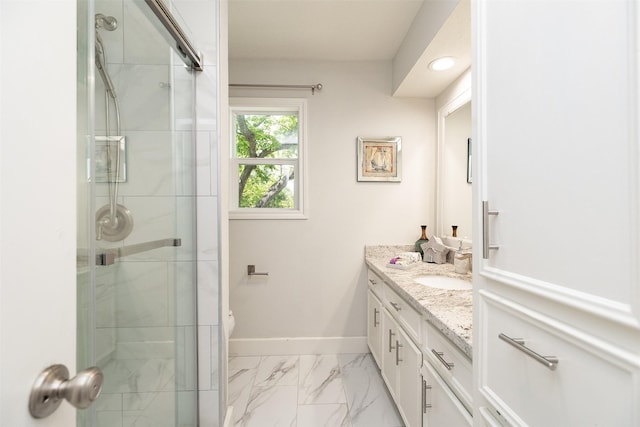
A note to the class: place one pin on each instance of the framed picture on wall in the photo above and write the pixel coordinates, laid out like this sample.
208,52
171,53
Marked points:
379,159
469,175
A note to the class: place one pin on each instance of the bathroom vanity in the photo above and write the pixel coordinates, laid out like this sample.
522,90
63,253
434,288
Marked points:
420,337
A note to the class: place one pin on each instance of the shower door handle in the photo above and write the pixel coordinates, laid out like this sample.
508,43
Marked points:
53,385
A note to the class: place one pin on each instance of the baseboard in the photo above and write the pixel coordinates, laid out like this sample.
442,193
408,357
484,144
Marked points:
292,346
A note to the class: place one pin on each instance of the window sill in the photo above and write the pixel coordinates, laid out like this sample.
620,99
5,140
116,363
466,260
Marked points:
267,214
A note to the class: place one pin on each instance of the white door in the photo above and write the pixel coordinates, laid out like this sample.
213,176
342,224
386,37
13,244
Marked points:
556,127
37,201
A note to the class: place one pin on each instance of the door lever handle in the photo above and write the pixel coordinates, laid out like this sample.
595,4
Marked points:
53,385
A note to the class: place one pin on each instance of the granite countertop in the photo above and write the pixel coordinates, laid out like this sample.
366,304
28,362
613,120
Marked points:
448,311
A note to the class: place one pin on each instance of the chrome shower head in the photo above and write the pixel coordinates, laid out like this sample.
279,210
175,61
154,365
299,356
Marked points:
107,22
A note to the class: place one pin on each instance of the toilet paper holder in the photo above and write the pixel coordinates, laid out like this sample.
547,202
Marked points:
251,271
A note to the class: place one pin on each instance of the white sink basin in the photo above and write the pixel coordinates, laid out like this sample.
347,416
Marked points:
444,282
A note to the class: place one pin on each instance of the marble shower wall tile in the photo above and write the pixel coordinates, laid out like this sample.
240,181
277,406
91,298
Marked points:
112,40
142,294
144,94
208,295
207,219
139,376
150,164
199,16
184,273
320,380
149,410
143,44
182,81
186,360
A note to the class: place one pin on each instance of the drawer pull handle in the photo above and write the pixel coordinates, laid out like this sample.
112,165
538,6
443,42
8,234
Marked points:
439,355
395,305
373,282
398,360
375,317
550,362
391,335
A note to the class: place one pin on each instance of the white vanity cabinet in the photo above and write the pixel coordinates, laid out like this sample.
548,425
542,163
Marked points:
440,406
453,366
556,308
374,316
429,378
374,325
401,362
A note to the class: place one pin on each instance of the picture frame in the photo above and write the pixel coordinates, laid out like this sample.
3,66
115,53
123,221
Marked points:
106,153
469,162
379,159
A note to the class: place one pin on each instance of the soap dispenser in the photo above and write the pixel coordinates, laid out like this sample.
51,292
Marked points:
462,261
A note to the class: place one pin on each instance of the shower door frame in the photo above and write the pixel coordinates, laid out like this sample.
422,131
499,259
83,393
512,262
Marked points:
186,50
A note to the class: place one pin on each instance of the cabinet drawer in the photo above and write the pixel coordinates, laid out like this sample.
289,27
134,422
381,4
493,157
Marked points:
580,391
449,361
375,283
406,315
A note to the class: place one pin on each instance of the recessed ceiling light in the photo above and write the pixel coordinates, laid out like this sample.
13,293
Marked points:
443,63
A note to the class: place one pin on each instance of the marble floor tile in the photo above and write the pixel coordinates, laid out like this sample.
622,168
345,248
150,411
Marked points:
271,407
368,398
331,415
320,380
243,362
344,390
277,370
239,389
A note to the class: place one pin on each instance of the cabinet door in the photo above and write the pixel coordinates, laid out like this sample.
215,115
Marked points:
374,326
388,351
556,154
408,381
440,407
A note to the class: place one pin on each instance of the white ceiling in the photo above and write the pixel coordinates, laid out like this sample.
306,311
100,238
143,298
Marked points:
345,30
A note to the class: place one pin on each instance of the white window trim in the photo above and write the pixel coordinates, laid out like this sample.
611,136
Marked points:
273,105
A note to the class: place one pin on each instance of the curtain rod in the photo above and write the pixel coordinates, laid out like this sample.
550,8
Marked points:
312,87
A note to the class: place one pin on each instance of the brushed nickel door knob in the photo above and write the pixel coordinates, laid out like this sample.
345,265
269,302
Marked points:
53,385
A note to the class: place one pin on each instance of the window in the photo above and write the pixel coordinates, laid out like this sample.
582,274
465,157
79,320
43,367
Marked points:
267,158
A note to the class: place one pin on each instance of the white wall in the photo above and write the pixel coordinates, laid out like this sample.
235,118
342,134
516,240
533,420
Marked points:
316,284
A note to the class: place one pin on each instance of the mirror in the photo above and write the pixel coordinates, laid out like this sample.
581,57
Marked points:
453,191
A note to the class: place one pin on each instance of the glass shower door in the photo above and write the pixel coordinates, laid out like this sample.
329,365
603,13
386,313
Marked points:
137,273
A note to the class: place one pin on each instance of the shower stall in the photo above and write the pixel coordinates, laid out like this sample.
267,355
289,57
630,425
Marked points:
137,236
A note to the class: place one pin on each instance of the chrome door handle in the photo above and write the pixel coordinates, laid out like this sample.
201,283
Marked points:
53,385
485,229
550,362
375,317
